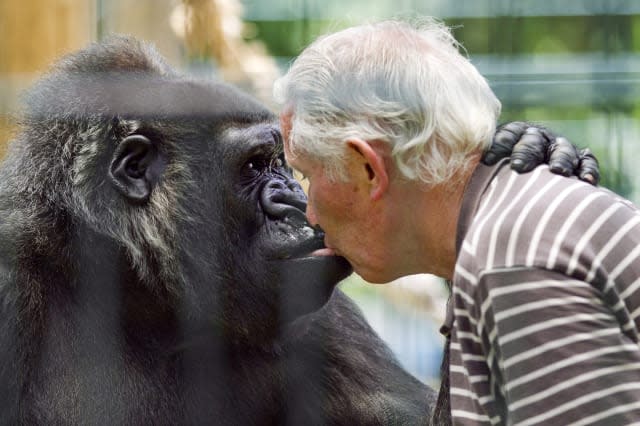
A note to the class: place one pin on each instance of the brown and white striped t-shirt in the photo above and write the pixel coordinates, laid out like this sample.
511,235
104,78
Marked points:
546,303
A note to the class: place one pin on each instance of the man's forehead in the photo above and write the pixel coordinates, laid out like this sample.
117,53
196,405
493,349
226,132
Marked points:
298,161
293,159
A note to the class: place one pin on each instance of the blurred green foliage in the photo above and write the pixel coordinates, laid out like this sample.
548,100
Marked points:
498,35
579,75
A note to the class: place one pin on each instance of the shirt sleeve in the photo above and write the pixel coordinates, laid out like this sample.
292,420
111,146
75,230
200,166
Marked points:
556,350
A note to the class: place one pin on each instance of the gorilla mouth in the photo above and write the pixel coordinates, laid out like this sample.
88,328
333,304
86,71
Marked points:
308,243
309,248
308,271
304,269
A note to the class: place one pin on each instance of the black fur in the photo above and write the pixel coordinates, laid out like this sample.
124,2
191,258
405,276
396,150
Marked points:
194,303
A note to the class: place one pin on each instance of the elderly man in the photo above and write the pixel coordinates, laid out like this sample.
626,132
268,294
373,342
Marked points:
388,122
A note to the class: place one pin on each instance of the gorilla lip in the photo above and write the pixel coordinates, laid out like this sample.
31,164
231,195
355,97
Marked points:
310,248
313,247
323,252
312,244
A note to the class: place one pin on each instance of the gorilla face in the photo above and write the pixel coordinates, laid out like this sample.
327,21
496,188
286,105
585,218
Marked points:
270,213
265,187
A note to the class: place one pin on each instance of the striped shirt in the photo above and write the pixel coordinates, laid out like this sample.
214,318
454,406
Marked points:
546,303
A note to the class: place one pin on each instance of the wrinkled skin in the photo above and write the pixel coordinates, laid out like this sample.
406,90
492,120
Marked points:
156,266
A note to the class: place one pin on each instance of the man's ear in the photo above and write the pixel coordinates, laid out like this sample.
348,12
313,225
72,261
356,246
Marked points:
371,158
136,168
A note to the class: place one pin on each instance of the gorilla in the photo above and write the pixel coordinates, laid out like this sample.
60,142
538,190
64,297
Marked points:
156,265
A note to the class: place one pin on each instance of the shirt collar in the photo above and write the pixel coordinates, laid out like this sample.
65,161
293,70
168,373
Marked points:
473,192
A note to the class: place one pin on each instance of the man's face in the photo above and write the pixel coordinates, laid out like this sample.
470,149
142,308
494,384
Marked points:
343,210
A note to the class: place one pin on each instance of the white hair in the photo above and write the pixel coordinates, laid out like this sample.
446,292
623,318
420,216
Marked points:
404,84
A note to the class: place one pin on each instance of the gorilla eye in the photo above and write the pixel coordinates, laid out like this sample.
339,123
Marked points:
262,163
255,165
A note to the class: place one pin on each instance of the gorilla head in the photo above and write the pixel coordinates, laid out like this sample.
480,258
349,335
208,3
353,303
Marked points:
156,264
187,178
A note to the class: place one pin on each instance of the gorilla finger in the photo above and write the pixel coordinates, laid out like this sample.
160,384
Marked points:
530,151
563,157
503,141
588,169
547,133
518,128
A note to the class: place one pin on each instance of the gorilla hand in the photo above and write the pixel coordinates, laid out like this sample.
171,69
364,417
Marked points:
529,146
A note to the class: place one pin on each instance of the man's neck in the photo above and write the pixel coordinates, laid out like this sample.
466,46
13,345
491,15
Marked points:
436,224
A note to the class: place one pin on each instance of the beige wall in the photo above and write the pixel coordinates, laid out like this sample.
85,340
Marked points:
32,34
145,19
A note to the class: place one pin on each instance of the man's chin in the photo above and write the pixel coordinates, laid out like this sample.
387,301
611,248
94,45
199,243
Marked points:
307,282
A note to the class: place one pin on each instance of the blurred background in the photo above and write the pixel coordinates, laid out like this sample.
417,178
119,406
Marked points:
573,66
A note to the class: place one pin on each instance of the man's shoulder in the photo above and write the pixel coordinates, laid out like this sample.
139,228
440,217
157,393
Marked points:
522,220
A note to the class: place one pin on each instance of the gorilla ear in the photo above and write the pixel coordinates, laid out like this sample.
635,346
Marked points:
136,168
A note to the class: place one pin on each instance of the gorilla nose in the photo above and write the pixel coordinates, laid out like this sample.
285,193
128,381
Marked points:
282,200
